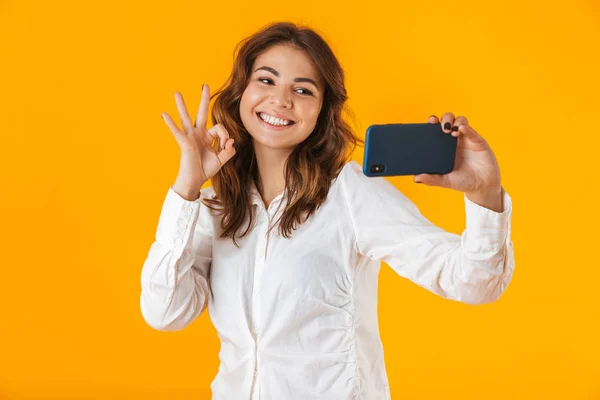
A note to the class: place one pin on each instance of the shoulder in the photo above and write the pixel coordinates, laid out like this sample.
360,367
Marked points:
351,170
358,187
352,182
352,167
352,177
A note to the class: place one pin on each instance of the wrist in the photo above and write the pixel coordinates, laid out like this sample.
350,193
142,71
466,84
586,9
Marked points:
186,192
490,198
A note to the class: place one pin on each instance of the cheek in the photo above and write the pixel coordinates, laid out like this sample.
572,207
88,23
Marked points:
310,112
250,99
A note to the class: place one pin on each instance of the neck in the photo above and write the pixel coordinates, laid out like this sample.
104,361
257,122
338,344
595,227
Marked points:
271,174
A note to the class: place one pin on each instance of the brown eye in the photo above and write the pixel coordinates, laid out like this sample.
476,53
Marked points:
307,92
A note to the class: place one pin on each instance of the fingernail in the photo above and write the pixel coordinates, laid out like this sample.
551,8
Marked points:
203,86
454,128
447,126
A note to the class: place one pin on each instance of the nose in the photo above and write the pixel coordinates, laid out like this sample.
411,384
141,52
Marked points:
281,96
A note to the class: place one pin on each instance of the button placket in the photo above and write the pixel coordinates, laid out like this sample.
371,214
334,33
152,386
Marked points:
259,264
263,249
258,267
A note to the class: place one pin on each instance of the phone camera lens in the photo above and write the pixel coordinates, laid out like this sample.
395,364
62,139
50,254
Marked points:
377,168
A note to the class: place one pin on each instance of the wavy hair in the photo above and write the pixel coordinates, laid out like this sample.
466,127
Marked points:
312,165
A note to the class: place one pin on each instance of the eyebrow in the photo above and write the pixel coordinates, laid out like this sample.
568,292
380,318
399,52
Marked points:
300,79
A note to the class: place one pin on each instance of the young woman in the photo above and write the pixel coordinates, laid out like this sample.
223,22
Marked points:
284,249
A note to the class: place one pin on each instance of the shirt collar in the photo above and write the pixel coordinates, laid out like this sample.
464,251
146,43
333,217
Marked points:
255,197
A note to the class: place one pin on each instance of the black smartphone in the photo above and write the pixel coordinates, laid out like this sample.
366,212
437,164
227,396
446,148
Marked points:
408,149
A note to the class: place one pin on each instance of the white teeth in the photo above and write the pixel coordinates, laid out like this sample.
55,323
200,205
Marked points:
273,121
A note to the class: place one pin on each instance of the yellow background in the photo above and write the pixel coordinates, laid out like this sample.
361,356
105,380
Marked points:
86,161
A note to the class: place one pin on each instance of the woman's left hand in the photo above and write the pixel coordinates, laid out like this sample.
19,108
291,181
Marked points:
475,168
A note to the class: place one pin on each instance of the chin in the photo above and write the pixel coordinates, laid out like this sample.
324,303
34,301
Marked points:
272,142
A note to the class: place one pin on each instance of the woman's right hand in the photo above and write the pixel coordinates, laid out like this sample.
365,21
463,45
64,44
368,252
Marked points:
199,160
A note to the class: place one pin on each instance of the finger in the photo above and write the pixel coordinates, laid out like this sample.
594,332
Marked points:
447,120
207,136
433,180
186,123
227,153
202,115
461,120
222,133
433,119
179,136
212,133
470,133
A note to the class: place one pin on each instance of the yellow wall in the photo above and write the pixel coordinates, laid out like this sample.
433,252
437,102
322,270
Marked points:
86,161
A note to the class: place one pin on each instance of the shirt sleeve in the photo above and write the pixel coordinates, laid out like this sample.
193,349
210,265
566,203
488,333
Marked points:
175,274
474,267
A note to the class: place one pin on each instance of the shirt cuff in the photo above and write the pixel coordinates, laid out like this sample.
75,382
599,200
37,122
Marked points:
488,230
176,220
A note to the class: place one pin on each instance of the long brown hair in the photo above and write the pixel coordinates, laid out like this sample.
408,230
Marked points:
312,165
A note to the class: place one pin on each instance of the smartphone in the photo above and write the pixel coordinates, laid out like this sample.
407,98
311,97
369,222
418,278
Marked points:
408,149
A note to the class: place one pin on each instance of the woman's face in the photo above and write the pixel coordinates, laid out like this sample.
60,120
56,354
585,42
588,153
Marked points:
283,98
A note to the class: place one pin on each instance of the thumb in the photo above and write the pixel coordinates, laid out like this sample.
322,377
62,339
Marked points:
228,152
432,180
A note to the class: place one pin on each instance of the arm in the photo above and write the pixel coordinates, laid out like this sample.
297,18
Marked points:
175,275
474,268
491,199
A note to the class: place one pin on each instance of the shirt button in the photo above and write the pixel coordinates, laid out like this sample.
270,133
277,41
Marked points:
255,332
255,372
182,225
179,241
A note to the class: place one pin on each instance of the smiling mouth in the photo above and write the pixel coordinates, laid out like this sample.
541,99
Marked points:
290,123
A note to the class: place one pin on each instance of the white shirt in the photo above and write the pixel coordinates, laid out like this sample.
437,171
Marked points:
297,318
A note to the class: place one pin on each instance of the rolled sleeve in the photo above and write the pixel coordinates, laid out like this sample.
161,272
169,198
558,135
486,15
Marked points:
487,230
